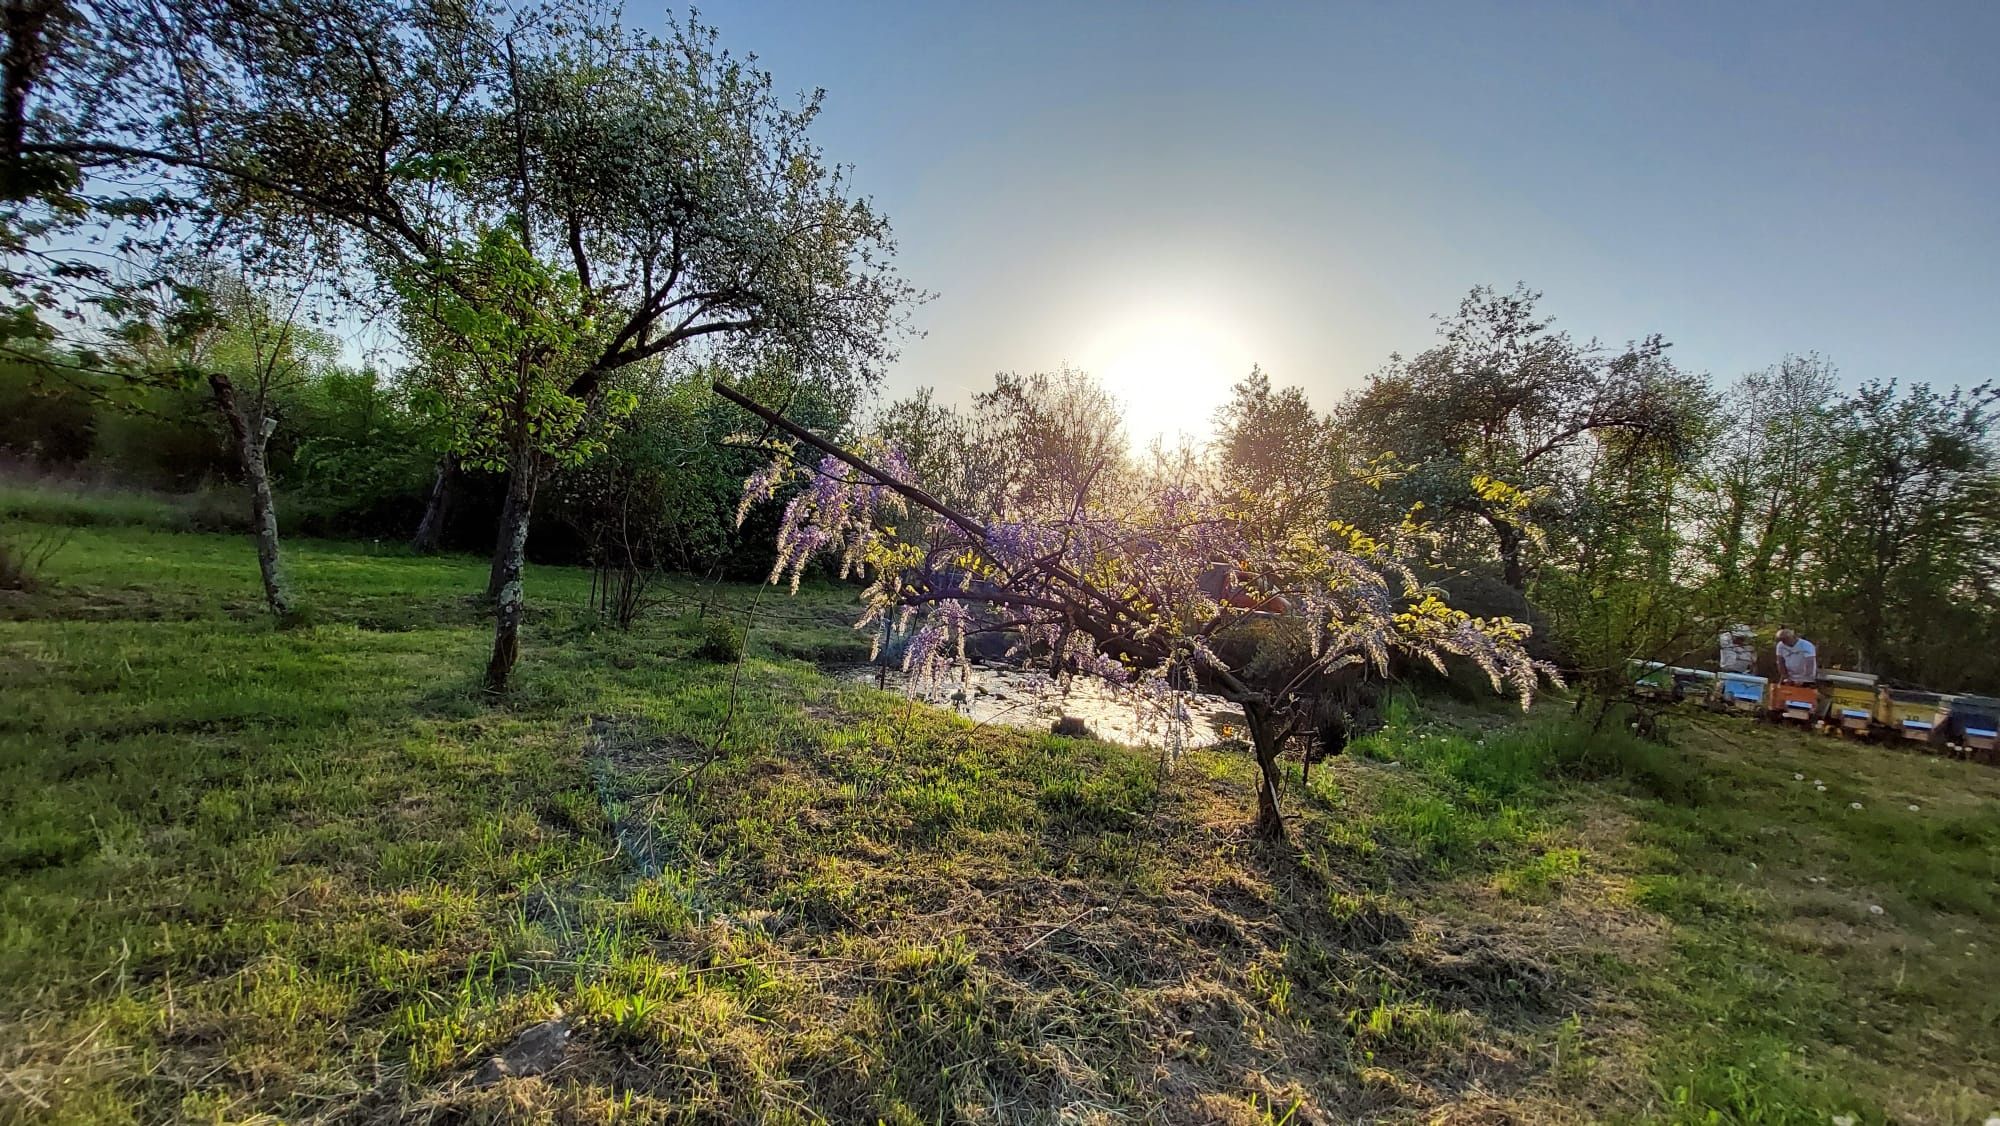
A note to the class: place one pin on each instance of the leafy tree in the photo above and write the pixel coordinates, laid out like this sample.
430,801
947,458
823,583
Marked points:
1039,444
1274,445
654,183
1506,397
1635,577
1912,521
938,443
351,458
663,493
1049,441
511,334
1765,483
246,347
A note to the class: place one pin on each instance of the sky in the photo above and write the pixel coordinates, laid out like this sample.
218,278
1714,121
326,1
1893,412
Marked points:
1165,193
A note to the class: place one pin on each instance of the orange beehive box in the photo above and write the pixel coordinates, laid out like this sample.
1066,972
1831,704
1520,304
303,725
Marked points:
1796,702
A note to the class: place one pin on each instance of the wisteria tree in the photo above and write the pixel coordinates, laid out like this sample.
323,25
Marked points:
1145,598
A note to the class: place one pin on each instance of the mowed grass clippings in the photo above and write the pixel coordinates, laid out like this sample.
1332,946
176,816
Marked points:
317,875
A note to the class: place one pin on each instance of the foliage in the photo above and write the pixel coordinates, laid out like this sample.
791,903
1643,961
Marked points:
1274,447
504,337
1030,444
663,494
1507,398
353,456
1766,483
1913,523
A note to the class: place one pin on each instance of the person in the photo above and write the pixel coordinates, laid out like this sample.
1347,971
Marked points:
1738,652
1798,661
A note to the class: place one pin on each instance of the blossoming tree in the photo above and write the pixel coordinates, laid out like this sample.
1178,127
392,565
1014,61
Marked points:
1142,598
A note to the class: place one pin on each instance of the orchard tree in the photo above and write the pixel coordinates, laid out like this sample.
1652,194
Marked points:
1274,445
1122,594
656,183
1912,514
246,346
1506,397
1765,484
1030,446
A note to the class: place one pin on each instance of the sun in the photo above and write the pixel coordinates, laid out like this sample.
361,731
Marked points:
1171,368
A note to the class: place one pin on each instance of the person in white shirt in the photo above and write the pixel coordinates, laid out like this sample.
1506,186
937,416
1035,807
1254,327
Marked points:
1798,661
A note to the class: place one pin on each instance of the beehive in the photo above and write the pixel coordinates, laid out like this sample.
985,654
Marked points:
1652,679
1975,721
1798,703
1693,684
1916,716
1850,699
1742,692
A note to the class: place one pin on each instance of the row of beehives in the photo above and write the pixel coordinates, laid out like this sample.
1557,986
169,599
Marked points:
1843,702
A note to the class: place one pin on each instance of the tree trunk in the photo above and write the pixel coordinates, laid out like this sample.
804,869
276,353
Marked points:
508,556
1265,741
250,437
513,510
437,508
1512,572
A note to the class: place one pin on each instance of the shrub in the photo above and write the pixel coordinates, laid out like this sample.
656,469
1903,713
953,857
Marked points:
24,554
719,640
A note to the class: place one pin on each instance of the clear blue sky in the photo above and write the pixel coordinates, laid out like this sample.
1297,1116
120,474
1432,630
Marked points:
1191,187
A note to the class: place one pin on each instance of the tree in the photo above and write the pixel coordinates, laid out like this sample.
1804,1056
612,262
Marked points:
1636,579
246,347
656,182
1766,483
1041,444
662,494
438,500
1048,440
1911,510
1273,444
1507,397
1121,594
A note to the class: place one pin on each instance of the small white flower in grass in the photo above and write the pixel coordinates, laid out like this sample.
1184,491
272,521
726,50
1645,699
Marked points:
1874,908
1798,777
1817,782
1854,805
1846,1119
1914,808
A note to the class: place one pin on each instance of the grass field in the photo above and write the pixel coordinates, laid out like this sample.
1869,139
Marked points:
316,875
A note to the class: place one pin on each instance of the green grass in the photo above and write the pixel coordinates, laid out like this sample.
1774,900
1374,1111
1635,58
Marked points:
1825,951
317,874
57,501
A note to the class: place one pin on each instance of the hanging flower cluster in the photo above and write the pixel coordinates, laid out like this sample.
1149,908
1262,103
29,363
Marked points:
1143,597
837,511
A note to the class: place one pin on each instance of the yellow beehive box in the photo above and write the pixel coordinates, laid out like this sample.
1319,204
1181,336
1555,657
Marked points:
1851,700
1916,716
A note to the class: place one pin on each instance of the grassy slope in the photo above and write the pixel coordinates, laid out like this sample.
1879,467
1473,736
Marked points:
316,875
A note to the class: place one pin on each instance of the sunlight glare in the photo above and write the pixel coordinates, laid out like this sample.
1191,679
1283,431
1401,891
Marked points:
1171,368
